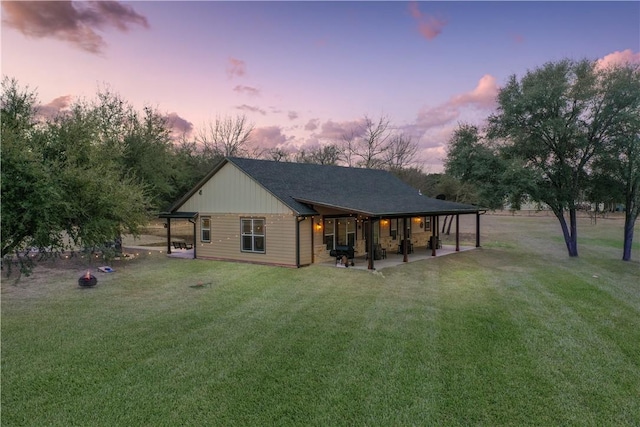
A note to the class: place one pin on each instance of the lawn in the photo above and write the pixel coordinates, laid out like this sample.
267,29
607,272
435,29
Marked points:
515,333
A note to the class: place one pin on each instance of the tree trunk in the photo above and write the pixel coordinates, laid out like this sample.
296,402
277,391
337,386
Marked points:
628,238
569,232
630,217
444,223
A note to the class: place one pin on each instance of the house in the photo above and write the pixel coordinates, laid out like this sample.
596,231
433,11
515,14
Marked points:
294,214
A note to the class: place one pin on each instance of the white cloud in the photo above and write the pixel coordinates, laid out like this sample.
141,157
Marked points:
619,58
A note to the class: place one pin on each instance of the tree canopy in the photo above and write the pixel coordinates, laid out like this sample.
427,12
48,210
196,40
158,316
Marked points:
557,135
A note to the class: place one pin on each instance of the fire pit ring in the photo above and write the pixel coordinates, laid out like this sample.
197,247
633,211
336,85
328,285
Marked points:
87,280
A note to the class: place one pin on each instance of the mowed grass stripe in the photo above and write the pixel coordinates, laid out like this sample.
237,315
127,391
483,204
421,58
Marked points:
512,334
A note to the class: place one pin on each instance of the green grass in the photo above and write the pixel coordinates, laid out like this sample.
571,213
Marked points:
516,333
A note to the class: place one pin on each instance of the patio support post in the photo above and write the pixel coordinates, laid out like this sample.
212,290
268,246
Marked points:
193,221
370,244
457,232
434,236
477,229
168,235
405,244
313,232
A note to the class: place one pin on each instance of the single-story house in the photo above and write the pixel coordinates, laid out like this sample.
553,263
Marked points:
295,214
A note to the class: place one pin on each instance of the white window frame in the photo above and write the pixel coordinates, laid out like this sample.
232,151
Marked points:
203,229
254,234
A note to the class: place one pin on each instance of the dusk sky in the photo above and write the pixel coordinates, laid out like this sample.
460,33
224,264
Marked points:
304,72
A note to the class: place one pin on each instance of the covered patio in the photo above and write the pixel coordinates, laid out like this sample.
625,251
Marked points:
393,259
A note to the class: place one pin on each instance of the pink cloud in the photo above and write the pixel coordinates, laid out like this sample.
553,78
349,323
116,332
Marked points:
53,108
312,125
430,117
292,115
177,125
484,94
268,137
251,109
618,58
236,68
334,131
73,22
429,26
248,90
433,125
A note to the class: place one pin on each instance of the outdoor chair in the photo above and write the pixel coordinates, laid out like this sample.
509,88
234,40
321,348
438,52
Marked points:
409,247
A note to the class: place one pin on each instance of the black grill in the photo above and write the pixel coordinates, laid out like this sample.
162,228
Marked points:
341,251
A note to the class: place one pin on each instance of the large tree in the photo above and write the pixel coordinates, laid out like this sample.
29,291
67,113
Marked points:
619,164
554,122
59,189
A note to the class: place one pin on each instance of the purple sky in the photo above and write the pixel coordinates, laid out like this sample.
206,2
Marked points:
304,72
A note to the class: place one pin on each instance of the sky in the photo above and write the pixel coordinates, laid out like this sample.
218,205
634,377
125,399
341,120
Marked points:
305,72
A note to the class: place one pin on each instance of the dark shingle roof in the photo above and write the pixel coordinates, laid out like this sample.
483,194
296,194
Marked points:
367,191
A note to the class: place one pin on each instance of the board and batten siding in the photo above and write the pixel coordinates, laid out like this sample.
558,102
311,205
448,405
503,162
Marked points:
225,244
231,190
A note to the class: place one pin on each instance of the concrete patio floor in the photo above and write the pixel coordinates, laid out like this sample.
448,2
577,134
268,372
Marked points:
393,259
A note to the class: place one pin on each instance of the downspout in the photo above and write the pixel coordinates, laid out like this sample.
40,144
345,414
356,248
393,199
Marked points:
298,221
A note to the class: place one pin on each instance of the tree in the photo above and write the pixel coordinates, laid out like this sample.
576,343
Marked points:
29,198
400,152
619,165
325,155
552,124
226,137
366,146
59,190
472,160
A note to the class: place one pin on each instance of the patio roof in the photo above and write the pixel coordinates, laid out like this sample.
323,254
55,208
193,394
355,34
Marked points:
178,215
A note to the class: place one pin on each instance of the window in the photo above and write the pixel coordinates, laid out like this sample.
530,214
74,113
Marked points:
393,228
339,232
205,229
329,234
252,235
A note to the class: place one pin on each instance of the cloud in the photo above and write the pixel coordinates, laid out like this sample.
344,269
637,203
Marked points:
73,22
618,58
251,109
312,125
292,115
429,26
177,125
430,117
248,90
334,131
268,137
53,108
236,68
484,94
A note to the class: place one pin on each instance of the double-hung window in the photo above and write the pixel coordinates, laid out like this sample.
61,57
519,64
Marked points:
205,229
253,235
